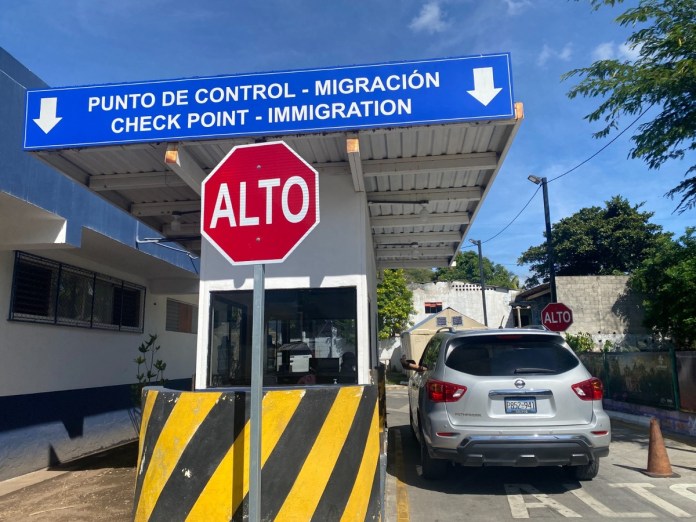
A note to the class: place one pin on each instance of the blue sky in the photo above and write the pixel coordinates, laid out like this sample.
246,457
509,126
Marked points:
84,42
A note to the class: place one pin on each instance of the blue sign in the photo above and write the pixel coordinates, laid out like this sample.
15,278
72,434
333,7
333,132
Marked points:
277,103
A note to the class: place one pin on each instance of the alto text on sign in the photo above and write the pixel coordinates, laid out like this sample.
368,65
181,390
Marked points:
557,317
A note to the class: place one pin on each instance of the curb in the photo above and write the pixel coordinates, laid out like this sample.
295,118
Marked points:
630,418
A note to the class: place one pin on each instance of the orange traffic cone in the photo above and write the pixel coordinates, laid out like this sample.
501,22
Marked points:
658,460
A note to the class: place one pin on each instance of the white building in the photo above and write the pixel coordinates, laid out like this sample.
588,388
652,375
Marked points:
78,294
467,298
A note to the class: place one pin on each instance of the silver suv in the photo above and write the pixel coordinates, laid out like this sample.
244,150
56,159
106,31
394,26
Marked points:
506,397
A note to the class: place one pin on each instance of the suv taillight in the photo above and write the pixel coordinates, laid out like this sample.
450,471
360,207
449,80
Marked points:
439,391
589,390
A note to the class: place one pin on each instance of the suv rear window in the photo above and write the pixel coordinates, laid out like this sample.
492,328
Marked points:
508,355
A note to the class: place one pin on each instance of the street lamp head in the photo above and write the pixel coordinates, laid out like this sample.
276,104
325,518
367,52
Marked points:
474,241
534,179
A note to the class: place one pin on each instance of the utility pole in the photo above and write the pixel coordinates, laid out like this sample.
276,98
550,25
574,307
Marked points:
549,242
483,282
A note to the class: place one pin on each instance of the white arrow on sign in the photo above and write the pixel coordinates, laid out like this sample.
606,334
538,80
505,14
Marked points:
47,114
484,91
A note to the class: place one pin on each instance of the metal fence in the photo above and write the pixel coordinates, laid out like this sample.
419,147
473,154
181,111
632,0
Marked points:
661,379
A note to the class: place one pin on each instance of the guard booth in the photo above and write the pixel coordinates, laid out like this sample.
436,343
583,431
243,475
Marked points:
405,155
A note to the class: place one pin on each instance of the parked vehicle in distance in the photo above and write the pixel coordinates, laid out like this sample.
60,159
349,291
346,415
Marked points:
506,397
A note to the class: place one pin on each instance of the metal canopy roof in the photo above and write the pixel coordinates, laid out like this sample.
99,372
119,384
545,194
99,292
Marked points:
424,185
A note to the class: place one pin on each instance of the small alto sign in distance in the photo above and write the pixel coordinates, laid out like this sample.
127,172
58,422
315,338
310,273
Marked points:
557,317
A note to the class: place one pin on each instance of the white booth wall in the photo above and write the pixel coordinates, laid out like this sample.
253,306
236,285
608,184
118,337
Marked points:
337,253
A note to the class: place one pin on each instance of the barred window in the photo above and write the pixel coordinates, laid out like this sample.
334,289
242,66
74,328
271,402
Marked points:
46,291
433,308
181,317
34,290
75,291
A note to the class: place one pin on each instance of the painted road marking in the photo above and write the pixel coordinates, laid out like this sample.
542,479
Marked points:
641,489
601,508
519,507
683,490
402,506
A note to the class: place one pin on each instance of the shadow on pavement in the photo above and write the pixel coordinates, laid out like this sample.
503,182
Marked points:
124,456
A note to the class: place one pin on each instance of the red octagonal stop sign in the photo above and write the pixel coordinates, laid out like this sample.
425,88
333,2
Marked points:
259,203
557,317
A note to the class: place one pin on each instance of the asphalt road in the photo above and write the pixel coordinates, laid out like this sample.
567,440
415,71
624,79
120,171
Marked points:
101,487
621,490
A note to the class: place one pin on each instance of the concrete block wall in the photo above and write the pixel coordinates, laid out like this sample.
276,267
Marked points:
603,306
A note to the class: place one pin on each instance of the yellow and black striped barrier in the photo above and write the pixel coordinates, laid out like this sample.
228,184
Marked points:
320,455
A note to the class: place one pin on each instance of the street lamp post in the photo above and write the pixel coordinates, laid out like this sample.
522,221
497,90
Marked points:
483,282
549,242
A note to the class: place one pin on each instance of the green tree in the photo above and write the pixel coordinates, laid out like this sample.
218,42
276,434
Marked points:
663,76
596,241
394,303
467,269
419,275
667,280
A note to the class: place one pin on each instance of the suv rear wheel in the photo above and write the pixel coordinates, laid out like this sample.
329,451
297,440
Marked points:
433,469
586,471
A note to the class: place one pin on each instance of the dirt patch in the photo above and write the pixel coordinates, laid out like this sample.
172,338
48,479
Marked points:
99,487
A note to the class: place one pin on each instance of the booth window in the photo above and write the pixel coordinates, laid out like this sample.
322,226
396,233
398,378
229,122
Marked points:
310,337
46,291
181,317
433,308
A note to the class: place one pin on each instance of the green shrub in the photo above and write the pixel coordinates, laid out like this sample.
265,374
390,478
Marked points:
150,370
582,342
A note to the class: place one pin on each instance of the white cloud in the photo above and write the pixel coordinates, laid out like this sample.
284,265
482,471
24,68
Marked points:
566,53
604,51
429,20
630,53
544,55
515,7
613,51
548,53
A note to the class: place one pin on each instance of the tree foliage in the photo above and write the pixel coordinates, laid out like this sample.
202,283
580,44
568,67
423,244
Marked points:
667,280
394,304
467,269
419,275
596,241
663,76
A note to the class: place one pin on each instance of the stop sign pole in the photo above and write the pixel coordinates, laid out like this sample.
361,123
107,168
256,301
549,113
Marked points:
258,205
256,394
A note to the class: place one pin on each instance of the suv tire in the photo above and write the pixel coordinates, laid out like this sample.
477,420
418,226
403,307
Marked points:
586,471
433,469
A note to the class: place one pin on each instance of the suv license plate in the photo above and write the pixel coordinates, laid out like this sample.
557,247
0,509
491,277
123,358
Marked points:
520,405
